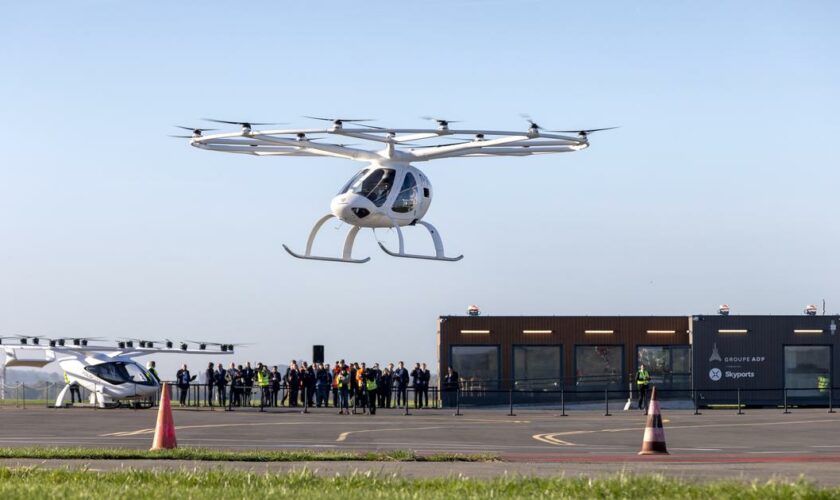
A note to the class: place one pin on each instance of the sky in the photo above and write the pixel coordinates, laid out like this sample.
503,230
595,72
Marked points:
720,186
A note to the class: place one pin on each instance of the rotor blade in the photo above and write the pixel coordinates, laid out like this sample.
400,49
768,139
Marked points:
195,128
584,131
241,123
432,118
182,136
372,126
339,119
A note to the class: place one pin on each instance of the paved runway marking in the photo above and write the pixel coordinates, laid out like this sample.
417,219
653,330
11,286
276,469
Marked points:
256,424
343,435
209,426
548,437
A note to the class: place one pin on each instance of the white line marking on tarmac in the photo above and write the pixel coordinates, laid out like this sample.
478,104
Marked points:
698,449
825,446
553,436
343,435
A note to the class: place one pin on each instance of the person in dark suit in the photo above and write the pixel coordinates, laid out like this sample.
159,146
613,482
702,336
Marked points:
385,389
400,378
274,380
232,377
293,383
424,388
248,375
210,383
183,379
451,384
220,379
417,384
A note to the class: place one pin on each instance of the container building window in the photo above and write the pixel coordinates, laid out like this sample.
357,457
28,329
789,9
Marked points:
599,366
804,365
477,366
669,366
538,367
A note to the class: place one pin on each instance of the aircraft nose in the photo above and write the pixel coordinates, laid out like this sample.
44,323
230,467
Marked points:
350,208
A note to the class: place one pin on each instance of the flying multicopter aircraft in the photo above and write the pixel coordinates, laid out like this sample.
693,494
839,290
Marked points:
389,192
109,373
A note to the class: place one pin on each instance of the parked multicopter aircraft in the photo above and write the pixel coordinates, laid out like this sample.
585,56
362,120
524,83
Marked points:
390,192
109,373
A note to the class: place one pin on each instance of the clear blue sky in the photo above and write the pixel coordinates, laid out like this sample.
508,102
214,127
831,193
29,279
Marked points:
720,186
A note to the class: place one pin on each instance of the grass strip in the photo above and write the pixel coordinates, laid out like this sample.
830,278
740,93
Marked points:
27,483
204,454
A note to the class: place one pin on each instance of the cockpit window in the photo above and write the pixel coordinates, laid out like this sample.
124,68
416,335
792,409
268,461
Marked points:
355,179
120,372
407,197
375,186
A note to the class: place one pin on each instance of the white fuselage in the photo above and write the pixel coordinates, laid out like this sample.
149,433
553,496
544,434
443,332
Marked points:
384,195
110,378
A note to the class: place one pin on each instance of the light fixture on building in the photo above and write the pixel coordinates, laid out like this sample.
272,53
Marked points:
476,331
536,332
805,331
733,331
599,332
663,332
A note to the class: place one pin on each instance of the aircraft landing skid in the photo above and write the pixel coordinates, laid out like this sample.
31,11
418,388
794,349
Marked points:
351,238
348,245
439,255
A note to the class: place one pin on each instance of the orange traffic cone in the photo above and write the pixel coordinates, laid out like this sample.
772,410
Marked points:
654,441
165,428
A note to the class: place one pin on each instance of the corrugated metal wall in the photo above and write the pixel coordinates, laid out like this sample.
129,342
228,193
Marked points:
747,353
568,331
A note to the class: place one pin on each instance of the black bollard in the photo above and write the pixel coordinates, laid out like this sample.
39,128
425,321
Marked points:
696,406
563,402
785,401
739,402
510,401
607,403
458,402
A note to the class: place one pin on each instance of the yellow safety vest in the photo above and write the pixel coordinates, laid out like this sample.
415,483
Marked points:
371,385
643,377
66,378
262,378
822,383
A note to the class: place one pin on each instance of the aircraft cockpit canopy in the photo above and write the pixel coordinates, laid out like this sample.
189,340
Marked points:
121,372
374,184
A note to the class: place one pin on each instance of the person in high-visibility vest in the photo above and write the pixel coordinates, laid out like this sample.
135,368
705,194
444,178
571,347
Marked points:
150,367
370,389
74,389
642,382
263,377
822,383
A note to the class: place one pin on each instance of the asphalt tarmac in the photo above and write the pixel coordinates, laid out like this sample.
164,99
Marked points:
760,444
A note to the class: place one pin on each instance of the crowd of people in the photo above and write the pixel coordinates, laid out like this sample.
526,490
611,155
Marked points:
342,385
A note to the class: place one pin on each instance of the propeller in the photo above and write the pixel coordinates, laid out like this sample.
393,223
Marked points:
339,121
442,123
582,133
247,125
196,131
534,126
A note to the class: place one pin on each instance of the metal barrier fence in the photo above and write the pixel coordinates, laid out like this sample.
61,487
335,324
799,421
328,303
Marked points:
44,394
